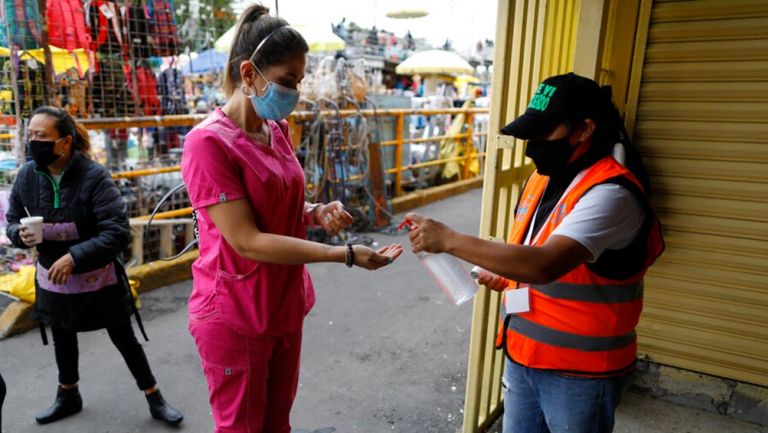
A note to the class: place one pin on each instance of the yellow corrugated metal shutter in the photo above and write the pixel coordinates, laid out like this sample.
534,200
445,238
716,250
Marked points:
702,126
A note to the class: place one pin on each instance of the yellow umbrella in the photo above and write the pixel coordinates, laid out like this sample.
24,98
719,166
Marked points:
433,62
319,39
407,13
63,60
465,78
224,43
462,82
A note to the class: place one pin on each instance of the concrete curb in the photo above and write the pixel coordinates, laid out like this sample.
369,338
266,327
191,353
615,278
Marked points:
727,397
162,273
15,320
156,274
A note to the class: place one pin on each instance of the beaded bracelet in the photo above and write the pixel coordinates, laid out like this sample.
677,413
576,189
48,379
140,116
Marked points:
350,260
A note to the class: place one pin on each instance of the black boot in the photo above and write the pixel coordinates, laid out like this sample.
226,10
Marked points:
163,411
68,402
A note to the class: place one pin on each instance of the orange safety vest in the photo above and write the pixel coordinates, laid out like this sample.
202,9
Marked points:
582,323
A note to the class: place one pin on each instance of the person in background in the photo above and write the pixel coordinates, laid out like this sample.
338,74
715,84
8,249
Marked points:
80,284
583,236
251,289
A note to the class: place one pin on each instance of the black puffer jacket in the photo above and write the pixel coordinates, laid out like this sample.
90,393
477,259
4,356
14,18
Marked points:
87,198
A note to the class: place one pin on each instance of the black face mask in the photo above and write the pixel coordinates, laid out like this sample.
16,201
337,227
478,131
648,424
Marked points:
550,157
42,152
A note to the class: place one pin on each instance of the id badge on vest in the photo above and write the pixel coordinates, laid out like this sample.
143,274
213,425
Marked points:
518,300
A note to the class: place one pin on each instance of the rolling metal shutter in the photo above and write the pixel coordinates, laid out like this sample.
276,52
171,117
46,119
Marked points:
702,126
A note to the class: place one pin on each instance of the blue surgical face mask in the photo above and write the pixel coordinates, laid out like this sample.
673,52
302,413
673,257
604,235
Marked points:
277,102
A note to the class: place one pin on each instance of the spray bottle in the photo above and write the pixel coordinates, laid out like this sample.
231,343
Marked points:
448,272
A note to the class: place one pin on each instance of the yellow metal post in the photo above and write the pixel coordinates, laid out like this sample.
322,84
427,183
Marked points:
399,154
474,414
638,61
137,245
468,149
589,40
535,39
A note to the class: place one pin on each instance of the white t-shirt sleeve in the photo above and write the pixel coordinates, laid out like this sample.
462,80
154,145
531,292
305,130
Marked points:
608,217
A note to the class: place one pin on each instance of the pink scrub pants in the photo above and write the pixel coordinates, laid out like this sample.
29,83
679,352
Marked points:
252,380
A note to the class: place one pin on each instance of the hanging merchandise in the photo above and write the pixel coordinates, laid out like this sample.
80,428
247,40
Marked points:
325,80
66,25
146,91
165,38
312,159
137,31
23,17
30,89
105,24
72,93
189,30
7,106
111,97
3,33
170,86
357,80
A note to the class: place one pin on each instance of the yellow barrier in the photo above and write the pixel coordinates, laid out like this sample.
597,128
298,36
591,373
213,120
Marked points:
168,214
145,172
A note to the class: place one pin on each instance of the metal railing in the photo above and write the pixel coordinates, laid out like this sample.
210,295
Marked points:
398,142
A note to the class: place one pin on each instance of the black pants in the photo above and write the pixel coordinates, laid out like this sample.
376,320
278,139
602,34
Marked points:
122,336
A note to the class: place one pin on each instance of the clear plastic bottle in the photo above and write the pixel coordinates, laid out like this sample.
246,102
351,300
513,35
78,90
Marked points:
450,274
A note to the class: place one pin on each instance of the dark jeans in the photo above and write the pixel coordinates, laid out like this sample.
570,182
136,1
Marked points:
541,401
122,336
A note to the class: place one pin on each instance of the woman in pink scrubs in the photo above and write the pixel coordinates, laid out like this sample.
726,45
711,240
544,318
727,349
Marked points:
251,288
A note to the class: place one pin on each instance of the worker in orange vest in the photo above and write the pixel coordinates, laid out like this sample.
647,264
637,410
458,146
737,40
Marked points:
583,236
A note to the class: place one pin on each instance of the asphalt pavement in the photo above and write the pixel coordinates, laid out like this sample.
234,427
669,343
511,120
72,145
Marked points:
383,352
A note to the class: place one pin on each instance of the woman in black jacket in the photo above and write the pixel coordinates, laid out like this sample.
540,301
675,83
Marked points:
80,285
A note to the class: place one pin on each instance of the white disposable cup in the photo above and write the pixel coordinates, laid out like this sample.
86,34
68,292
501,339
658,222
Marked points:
35,225
450,274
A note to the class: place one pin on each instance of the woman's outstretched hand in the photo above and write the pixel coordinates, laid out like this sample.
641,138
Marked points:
375,259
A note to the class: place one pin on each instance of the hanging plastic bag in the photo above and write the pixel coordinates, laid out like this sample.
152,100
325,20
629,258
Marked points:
357,80
20,284
326,79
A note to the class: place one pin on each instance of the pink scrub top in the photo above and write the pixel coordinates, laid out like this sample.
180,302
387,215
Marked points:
221,163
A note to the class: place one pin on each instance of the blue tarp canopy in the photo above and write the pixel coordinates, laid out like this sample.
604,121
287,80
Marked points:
207,61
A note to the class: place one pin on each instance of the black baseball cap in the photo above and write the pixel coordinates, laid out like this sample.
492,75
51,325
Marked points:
558,99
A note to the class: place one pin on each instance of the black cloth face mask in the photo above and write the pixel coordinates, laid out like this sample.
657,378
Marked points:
42,152
550,157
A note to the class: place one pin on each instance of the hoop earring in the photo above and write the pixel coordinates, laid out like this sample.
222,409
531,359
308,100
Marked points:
247,91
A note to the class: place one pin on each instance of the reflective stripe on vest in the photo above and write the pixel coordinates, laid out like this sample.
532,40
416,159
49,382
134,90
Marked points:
581,322
606,294
568,340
